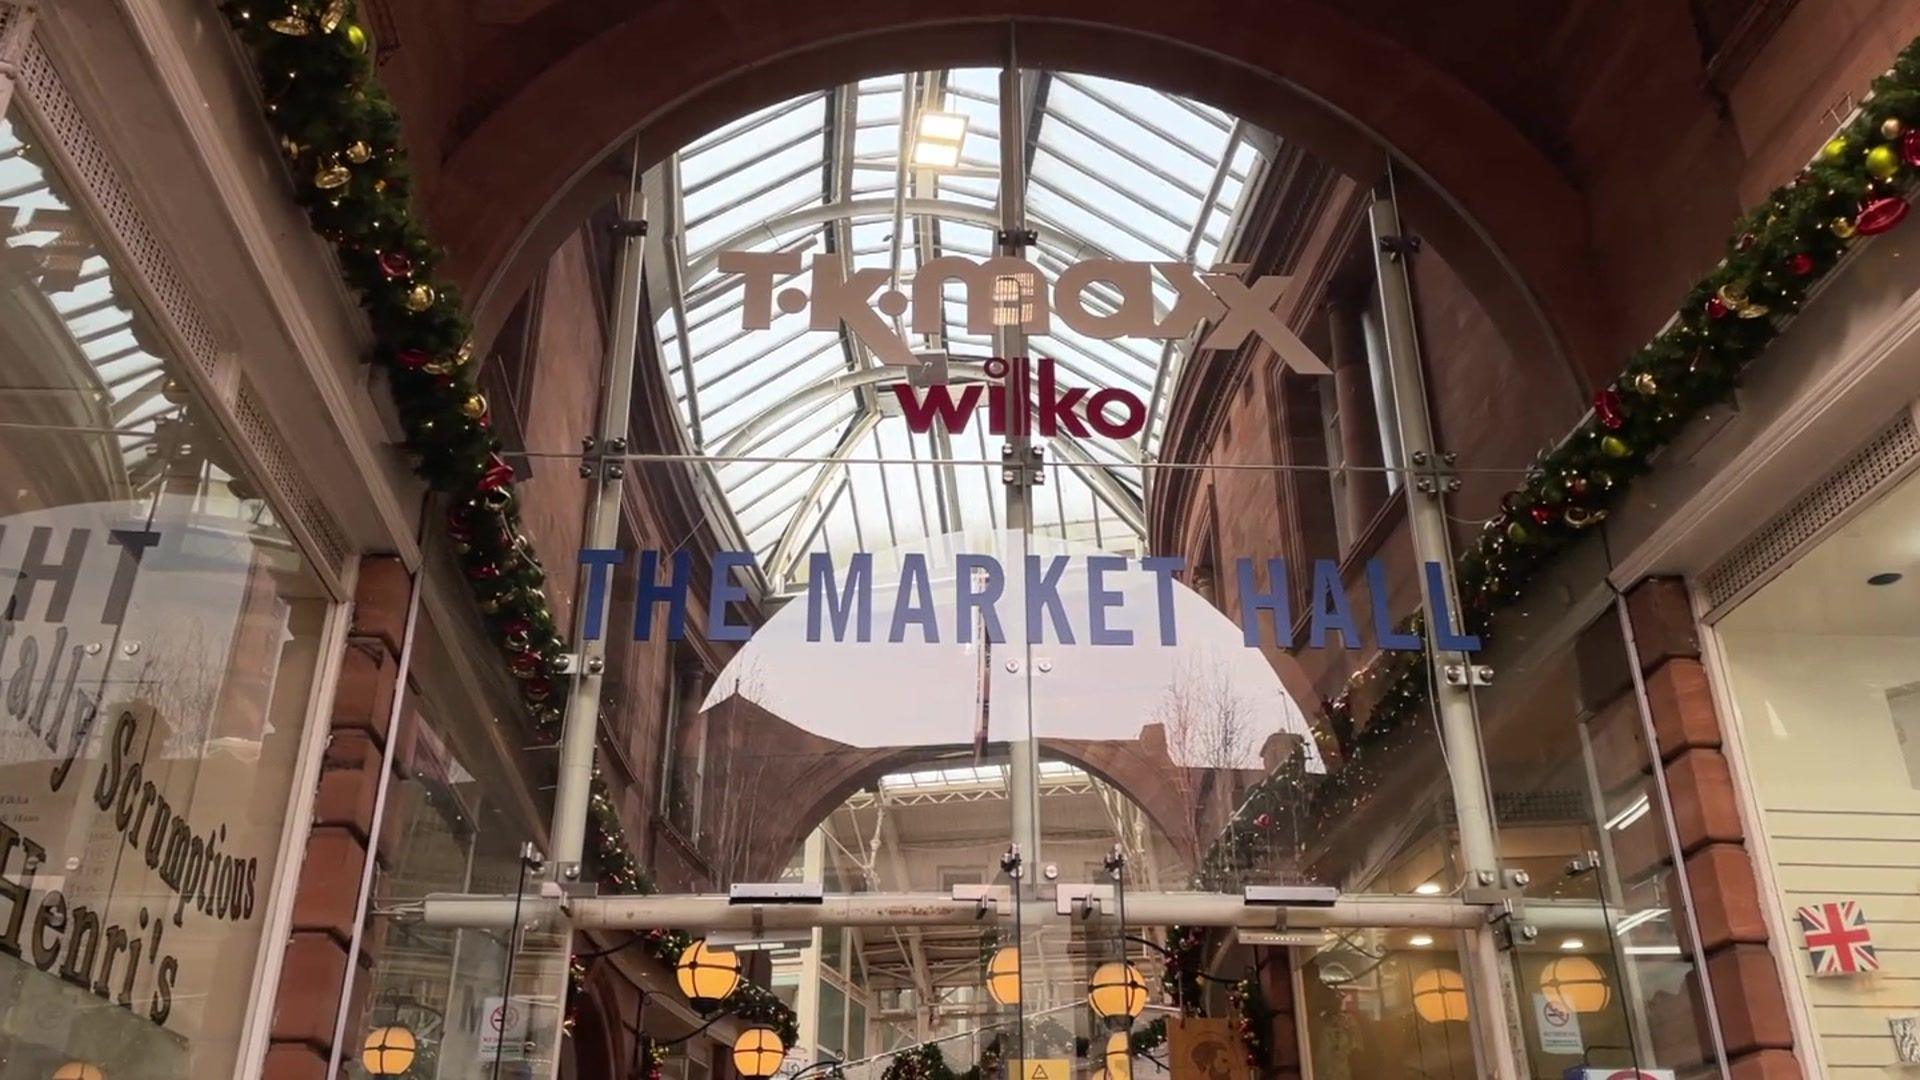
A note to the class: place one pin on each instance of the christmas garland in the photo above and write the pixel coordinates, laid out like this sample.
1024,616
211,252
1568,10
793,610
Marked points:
341,135
1854,189
1253,1022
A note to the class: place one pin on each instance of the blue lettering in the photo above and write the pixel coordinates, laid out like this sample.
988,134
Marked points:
855,599
1330,608
1390,638
1163,567
993,582
725,593
598,562
1101,599
914,603
1043,595
1253,602
650,592
1444,638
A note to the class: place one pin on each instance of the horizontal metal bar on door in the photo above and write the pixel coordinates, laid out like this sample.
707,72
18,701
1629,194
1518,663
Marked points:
720,912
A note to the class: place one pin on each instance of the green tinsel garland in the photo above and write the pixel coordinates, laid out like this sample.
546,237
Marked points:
1856,188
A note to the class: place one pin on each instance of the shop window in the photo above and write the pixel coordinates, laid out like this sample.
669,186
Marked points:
158,646
1821,665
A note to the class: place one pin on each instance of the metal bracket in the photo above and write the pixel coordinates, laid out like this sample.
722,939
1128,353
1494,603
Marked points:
628,227
987,899
608,461
1085,901
1016,238
1016,472
1435,475
1399,247
1510,931
1468,674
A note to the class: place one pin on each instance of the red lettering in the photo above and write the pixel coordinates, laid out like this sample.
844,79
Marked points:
938,401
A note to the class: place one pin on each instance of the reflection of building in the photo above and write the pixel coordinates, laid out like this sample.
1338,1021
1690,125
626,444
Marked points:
338,687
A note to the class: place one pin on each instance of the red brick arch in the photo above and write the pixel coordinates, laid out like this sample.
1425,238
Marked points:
1473,185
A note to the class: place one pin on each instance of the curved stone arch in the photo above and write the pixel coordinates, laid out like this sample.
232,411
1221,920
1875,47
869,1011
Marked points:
1512,225
1127,767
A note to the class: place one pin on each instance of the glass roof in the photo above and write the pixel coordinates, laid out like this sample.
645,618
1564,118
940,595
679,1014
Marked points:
1114,170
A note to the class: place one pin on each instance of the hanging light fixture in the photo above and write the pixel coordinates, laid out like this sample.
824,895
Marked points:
707,976
1003,975
758,1052
937,140
1117,1063
79,1070
389,1051
1117,993
1440,996
1576,984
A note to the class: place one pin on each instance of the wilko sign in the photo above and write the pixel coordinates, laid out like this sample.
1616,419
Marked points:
1028,400
1004,291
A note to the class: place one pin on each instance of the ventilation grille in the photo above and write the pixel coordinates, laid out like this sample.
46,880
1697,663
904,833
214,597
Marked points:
256,430
61,119
165,291
1890,455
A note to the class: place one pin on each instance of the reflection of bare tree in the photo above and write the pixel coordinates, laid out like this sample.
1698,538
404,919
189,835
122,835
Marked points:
735,774
1209,731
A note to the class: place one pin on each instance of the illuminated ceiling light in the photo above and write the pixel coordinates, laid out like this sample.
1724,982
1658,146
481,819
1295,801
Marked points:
1117,993
937,140
1576,984
79,1070
1428,888
1420,941
387,1051
758,1052
706,975
1440,996
1573,944
1003,975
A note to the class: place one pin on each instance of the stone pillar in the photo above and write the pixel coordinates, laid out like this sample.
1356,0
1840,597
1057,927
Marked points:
1366,491
1734,943
317,969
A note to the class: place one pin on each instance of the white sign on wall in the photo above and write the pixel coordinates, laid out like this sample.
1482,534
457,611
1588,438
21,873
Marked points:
1558,1025
503,1033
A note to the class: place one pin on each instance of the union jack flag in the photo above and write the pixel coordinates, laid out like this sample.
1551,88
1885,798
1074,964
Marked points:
1838,941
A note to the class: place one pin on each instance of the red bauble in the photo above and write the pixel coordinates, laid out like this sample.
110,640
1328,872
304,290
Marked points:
1542,515
1879,215
395,265
519,624
497,475
459,524
1800,263
539,690
1910,148
484,571
525,665
1263,822
413,359
1717,308
1607,406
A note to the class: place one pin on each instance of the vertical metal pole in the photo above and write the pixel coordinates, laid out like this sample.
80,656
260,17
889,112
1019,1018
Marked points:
1023,771
577,738
1494,1008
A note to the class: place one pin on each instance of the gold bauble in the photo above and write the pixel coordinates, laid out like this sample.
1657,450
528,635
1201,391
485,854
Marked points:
1843,227
474,407
356,36
332,175
330,18
175,391
421,297
289,147
1645,384
1615,447
293,24
1835,150
1733,294
359,152
1890,128
1882,162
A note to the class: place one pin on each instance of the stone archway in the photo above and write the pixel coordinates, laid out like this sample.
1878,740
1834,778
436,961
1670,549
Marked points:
1473,185
800,778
